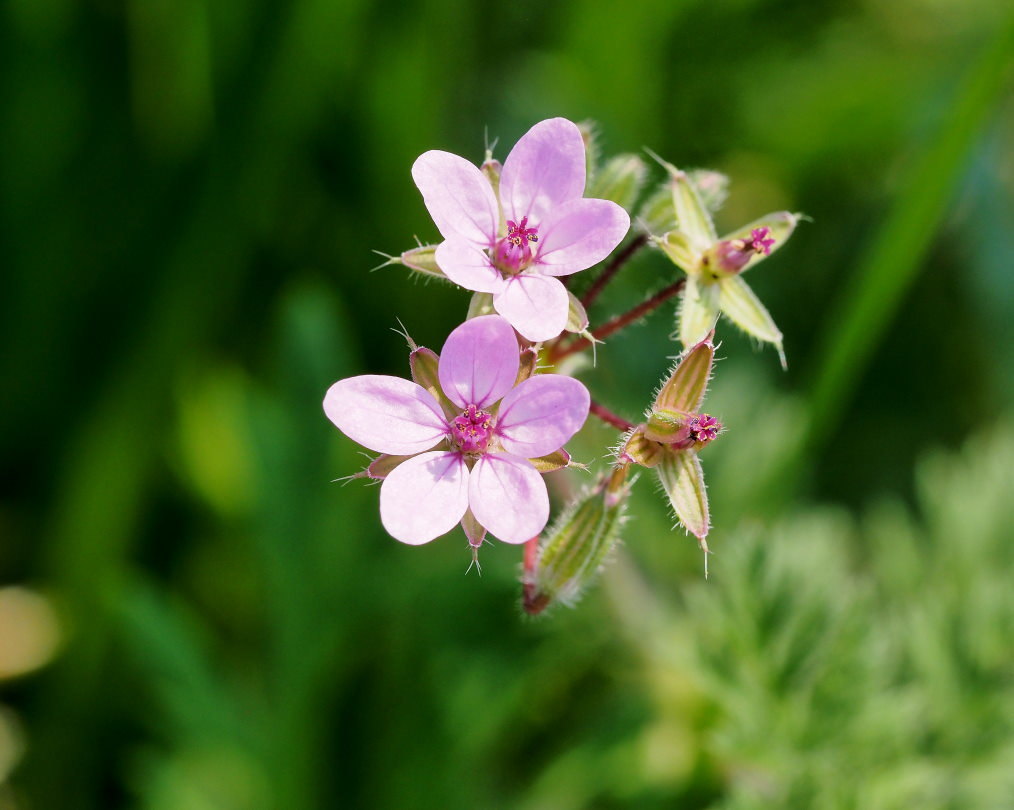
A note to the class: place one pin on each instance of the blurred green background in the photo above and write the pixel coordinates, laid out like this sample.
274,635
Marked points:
194,617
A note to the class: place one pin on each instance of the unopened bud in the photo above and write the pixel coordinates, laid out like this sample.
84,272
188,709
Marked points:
620,179
573,550
712,186
423,260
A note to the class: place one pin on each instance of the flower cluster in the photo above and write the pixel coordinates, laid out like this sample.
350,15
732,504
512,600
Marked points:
467,440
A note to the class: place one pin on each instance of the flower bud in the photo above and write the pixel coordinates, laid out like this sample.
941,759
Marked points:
712,186
571,553
422,260
620,180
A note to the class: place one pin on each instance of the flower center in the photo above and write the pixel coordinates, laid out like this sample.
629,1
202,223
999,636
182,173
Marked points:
513,253
703,428
472,430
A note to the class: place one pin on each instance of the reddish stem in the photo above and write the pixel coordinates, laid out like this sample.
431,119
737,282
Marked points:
610,418
613,268
619,322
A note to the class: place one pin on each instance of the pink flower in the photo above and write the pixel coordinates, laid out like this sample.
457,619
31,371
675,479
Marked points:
540,228
476,460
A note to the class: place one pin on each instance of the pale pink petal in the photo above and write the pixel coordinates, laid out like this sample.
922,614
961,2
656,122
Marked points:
544,169
424,497
386,414
458,197
508,497
579,234
468,266
479,362
537,306
540,415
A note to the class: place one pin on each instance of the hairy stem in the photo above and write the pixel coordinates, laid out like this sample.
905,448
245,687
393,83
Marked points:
557,353
613,268
610,418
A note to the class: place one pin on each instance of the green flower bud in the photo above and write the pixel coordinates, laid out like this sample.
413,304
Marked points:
620,180
571,553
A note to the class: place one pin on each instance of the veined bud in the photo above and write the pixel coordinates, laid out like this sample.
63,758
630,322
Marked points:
423,260
712,186
620,179
573,550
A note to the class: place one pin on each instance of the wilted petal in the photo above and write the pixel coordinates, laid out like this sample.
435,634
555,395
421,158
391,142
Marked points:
468,266
579,234
544,169
541,415
508,497
458,197
683,481
479,362
385,414
424,497
537,306
698,310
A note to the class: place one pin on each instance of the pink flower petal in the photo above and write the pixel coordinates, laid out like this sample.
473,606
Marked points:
479,362
579,234
544,169
540,415
424,497
537,306
508,497
386,414
468,266
458,197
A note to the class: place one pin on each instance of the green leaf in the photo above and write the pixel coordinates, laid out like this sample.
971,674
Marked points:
683,481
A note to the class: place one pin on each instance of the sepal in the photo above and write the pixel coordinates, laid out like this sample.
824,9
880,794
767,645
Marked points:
687,384
480,304
423,364
682,479
698,310
676,245
744,309
553,462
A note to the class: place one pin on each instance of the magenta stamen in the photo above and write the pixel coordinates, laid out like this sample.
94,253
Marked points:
472,430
